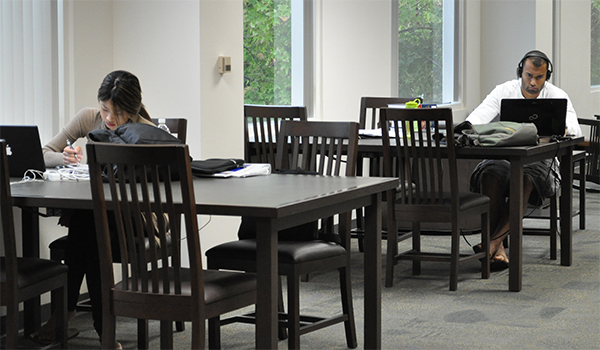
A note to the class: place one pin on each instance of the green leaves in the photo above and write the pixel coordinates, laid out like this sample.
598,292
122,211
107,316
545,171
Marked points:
420,49
595,43
267,52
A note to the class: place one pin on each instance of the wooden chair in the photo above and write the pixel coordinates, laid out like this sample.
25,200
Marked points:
585,161
369,118
592,149
316,148
261,128
422,194
58,247
26,278
177,126
370,109
154,285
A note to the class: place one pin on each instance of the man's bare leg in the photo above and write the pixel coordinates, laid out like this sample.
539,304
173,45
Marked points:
499,213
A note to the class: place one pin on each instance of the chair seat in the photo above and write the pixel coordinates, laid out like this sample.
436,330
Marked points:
289,252
33,270
218,285
466,201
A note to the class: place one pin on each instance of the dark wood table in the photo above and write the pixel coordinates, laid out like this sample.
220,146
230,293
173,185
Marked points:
517,156
276,201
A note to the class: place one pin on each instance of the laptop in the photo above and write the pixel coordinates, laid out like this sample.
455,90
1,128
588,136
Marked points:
548,114
24,149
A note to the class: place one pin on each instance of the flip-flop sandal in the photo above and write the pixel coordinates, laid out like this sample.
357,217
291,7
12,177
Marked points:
498,265
71,333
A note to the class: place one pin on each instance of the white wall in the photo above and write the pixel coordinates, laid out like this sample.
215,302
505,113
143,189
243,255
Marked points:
507,32
354,55
572,60
559,28
221,99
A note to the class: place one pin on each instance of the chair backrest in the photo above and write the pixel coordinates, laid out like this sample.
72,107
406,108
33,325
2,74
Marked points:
261,128
592,150
370,106
149,181
318,147
177,126
415,139
8,230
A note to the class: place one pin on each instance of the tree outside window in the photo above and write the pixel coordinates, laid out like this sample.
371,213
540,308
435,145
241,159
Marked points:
267,52
595,44
426,50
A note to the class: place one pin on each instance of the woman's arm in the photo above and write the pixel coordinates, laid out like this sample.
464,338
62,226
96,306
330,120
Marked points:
86,120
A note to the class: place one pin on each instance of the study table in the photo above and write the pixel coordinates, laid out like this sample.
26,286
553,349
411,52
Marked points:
517,156
276,201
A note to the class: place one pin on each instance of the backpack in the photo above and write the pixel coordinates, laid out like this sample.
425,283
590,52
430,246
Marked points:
496,134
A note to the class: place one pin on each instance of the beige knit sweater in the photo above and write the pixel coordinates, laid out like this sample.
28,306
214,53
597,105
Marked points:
86,120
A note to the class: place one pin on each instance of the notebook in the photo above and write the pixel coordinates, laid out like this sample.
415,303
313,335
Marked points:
23,147
548,114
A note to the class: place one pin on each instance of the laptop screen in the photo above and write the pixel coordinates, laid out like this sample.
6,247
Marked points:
24,149
548,114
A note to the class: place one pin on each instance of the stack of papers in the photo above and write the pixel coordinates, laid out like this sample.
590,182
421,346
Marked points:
249,169
374,132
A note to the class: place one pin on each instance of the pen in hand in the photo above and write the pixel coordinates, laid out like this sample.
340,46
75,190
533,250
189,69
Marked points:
71,146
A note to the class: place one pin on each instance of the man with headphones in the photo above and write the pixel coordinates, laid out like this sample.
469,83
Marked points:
541,179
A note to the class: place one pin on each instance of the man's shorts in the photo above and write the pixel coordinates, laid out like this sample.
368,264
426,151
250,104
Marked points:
544,175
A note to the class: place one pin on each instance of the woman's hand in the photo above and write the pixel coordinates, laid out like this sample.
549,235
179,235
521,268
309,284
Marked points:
72,155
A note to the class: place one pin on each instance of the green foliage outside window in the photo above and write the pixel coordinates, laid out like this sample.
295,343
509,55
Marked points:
595,44
420,49
267,52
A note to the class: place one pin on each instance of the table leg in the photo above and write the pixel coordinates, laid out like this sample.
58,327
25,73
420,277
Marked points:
566,208
267,292
516,226
30,228
373,274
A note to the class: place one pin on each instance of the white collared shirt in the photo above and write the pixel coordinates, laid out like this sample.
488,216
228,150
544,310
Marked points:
489,109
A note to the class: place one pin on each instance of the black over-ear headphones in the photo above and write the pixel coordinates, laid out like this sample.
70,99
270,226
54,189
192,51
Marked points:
535,53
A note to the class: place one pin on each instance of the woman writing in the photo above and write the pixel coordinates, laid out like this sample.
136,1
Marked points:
120,102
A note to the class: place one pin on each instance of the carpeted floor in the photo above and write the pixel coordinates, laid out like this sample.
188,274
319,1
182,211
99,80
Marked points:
558,307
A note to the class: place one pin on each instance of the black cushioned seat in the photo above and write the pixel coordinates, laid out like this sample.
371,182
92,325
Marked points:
290,252
33,270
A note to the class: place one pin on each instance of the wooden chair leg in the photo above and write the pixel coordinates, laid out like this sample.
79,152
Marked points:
553,226
214,333
281,330
293,282
166,334
416,247
485,245
347,308
392,246
12,329
142,328
108,331
582,193
454,256
198,340
59,303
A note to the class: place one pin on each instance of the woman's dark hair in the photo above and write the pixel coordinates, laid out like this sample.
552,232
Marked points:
123,90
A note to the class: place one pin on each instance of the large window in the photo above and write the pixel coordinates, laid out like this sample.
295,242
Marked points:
427,49
274,54
595,44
